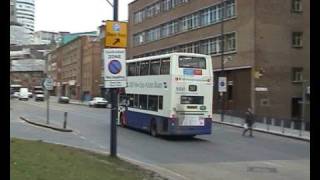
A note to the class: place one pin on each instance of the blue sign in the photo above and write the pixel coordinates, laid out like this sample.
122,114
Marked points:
187,71
221,83
114,66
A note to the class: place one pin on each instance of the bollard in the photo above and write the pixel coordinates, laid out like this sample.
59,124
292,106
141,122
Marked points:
282,126
272,122
292,125
65,120
300,133
266,122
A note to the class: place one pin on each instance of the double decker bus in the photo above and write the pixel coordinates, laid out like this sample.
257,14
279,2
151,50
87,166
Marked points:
169,94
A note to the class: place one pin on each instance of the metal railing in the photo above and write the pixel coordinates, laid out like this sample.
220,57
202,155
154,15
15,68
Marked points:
295,127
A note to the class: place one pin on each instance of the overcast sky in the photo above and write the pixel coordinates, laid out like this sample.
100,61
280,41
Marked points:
75,15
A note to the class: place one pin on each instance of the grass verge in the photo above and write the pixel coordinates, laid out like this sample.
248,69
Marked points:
36,160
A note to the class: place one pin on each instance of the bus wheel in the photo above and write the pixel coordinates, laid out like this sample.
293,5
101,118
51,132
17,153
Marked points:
153,128
122,120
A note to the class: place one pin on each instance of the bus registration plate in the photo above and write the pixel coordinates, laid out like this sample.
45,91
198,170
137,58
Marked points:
192,121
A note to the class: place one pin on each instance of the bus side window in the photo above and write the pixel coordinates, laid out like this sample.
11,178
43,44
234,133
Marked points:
160,102
131,100
153,103
155,67
138,69
165,66
136,101
144,68
143,100
131,69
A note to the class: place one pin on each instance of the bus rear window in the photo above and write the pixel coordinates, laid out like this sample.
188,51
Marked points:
191,100
192,62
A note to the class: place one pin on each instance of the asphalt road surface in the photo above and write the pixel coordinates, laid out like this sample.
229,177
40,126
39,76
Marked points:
224,155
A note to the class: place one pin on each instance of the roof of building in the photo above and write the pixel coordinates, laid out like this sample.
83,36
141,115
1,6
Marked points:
27,65
69,37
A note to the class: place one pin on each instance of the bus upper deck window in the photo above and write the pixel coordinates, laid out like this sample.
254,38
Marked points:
165,66
192,62
155,67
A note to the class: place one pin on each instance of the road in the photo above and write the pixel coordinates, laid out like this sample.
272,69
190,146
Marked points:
224,155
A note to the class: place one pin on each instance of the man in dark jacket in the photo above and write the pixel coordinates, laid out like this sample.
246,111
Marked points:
248,122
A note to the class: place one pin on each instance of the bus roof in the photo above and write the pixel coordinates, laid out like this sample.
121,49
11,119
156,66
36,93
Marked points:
166,56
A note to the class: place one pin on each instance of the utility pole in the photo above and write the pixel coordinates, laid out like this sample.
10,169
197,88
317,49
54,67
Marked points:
223,7
47,92
114,109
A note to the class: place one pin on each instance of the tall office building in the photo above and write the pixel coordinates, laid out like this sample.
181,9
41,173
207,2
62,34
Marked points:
266,47
25,16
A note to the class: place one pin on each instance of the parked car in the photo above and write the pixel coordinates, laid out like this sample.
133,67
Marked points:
63,99
15,95
98,102
30,95
39,97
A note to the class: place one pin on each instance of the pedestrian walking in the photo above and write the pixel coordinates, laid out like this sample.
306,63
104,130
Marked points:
248,123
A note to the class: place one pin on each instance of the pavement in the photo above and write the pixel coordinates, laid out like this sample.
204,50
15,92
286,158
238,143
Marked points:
224,154
261,127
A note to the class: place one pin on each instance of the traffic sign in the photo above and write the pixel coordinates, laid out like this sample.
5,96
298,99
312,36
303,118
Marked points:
116,34
48,84
114,68
222,84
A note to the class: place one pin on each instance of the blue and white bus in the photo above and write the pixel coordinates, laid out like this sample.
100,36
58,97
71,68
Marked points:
169,94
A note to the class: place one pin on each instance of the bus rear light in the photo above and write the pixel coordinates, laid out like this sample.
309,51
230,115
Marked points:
197,72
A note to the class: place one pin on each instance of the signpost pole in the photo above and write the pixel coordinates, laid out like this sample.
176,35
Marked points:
47,106
114,110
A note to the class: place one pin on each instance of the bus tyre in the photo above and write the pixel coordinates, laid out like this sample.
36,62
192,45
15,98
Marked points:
153,129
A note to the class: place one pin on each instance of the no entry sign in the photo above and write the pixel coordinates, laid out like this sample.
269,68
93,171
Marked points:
114,68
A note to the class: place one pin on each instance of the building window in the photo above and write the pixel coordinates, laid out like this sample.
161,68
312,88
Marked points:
296,6
201,18
210,46
297,39
297,74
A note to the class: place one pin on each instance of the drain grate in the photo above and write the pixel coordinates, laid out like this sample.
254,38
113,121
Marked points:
262,169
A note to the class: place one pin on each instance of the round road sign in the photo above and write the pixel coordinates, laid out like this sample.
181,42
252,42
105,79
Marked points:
48,83
114,66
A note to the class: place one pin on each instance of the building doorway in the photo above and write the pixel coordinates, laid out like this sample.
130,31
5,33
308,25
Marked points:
296,103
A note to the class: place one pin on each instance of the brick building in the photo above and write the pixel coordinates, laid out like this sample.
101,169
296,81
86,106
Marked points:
266,47
27,73
75,68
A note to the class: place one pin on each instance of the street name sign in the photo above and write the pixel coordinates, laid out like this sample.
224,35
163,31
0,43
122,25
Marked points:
48,84
222,84
114,68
